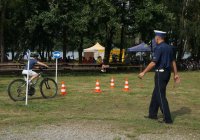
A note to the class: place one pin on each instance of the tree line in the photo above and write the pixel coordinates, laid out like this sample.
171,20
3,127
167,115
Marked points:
48,25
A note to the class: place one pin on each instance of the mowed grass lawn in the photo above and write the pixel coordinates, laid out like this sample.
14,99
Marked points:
124,110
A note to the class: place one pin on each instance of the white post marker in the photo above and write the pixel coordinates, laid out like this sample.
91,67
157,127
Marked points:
56,55
56,78
27,79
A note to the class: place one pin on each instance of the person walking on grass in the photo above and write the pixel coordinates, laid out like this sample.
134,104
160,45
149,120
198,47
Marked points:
33,61
163,61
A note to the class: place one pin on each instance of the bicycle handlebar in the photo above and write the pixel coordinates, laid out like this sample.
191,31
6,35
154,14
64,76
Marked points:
42,68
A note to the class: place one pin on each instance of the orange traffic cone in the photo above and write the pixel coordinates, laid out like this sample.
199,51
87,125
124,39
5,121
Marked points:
126,87
63,89
112,83
97,88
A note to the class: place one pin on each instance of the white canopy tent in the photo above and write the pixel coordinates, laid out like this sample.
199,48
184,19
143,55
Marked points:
94,51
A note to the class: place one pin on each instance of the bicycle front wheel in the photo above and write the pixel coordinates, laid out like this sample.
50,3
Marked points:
48,88
17,90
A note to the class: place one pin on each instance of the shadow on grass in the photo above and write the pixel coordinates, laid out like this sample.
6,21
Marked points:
42,98
36,98
180,112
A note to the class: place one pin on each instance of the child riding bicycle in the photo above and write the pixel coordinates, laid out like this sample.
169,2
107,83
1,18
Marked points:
33,61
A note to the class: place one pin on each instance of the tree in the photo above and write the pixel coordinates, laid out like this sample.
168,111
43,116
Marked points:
150,16
185,30
47,25
122,11
108,23
79,25
3,5
39,29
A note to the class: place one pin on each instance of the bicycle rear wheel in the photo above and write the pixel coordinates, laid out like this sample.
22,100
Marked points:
48,88
17,90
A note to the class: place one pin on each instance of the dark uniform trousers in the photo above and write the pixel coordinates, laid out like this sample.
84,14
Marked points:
159,96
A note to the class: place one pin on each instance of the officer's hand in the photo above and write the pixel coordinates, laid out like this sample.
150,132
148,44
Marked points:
177,79
141,75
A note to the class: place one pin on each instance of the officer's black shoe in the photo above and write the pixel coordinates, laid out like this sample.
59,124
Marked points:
167,122
151,117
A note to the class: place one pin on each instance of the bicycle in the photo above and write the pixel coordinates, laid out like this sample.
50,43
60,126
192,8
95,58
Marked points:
17,88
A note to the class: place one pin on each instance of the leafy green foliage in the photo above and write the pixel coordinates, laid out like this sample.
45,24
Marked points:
71,24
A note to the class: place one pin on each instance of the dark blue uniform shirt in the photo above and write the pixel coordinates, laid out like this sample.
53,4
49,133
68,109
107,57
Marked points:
31,64
163,56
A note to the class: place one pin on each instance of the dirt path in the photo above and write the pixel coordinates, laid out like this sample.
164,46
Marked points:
83,130
69,131
168,136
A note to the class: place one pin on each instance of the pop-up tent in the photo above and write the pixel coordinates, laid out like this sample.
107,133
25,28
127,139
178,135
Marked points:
94,51
140,48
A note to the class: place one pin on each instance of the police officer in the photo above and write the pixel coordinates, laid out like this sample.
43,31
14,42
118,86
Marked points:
163,61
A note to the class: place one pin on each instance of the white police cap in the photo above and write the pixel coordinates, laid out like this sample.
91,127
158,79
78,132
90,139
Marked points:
160,33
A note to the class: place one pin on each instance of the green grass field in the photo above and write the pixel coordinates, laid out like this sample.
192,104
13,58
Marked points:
124,110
